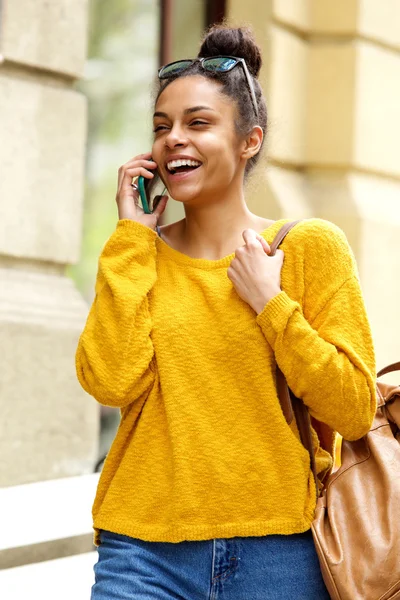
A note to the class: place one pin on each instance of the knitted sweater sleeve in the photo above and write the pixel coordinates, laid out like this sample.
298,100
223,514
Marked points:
324,345
115,360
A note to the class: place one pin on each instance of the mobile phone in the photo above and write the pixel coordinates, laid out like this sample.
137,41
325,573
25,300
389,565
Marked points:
150,192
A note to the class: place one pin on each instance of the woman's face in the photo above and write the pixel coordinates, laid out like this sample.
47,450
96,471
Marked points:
194,121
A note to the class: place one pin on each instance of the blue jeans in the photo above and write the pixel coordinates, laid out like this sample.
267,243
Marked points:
273,567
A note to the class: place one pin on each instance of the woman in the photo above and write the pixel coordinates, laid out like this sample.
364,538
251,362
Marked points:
207,491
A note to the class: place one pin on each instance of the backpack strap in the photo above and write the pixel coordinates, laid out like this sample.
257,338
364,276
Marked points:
283,390
389,369
280,236
291,406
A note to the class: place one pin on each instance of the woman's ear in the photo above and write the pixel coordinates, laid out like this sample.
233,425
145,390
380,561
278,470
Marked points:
253,142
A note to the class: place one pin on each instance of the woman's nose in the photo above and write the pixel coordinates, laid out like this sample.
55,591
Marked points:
176,137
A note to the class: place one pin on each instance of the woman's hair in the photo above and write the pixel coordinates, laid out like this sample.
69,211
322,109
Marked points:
227,41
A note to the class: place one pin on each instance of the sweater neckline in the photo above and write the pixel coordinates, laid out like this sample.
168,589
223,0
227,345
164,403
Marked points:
205,263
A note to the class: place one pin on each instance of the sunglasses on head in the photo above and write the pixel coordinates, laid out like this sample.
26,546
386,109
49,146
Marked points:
214,64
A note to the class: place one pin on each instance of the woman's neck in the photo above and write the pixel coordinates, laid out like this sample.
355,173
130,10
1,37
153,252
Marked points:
212,231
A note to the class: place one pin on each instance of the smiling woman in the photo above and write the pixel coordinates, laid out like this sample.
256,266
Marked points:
207,491
196,120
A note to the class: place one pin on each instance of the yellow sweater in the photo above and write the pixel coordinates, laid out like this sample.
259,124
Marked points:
203,449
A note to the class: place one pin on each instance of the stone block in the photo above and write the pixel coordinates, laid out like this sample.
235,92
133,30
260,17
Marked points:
287,96
290,191
295,13
46,35
42,133
376,113
62,578
340,17
367,18
331,104
276,193
380,20
49,425
366,208
258,14
354,94
46,520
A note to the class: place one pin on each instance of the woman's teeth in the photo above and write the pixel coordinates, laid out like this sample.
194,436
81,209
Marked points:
184,162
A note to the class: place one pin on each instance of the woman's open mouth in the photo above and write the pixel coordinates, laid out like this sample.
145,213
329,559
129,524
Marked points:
182,166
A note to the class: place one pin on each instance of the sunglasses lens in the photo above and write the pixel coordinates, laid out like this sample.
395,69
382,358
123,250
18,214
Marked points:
219,64
174,68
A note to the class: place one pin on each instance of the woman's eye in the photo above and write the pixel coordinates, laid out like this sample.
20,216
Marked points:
159,128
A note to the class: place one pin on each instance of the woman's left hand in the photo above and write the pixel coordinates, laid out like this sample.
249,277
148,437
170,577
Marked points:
255,275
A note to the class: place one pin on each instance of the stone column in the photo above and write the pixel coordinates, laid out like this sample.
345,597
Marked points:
48,425
332,80
353,145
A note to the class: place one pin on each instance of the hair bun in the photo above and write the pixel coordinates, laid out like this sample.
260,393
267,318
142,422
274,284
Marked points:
240,42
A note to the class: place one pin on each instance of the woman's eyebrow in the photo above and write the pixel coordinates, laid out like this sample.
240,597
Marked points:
187,111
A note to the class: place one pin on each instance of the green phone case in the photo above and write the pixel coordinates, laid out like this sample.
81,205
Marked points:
143,197
142,194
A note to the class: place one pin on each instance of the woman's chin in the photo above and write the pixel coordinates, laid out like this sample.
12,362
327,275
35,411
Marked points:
183,196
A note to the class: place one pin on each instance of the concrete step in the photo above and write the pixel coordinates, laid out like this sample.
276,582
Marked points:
46,520
69,578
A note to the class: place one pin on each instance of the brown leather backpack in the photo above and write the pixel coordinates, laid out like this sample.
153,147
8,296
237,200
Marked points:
356,526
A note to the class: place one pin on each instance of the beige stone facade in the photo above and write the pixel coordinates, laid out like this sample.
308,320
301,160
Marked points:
332,80
48,427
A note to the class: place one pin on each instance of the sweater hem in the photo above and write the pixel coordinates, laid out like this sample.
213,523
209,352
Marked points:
181,533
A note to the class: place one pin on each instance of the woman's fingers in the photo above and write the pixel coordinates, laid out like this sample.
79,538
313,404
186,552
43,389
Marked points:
139,160
249,236
126,170
133,173
158,211
127,197
252,238
150,164
264,244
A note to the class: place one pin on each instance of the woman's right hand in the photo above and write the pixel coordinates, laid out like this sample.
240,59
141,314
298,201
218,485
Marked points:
127,197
